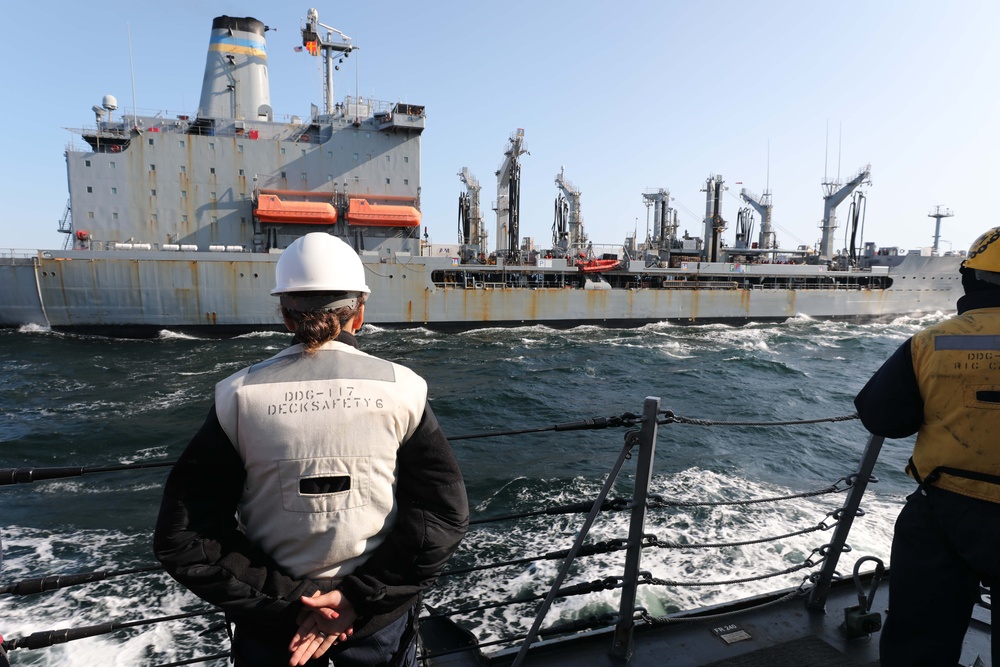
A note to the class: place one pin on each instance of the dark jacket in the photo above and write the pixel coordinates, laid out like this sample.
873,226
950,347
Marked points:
198,540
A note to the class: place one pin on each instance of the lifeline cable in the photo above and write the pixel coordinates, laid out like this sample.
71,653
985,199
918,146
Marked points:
26,475
46,638
670,418
55,582
627,419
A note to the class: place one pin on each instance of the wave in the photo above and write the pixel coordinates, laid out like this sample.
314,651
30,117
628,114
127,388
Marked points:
36,329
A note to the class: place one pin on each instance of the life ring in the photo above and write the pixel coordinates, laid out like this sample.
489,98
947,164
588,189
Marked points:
115,148
305,138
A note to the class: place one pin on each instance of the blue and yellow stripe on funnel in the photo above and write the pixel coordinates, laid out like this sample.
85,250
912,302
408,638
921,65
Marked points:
244,47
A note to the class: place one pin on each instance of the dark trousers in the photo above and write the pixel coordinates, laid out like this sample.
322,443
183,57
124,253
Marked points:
393,646
944,544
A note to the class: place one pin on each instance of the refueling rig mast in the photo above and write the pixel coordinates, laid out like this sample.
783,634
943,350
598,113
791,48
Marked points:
509,196
762,204
714,224
833,194
567,229
471,230
664,233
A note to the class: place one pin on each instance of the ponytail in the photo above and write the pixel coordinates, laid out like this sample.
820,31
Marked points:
313,328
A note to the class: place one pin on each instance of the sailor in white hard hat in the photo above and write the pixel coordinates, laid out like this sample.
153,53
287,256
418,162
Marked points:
319,275
348,496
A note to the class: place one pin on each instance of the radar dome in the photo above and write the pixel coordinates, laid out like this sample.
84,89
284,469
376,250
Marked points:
109,102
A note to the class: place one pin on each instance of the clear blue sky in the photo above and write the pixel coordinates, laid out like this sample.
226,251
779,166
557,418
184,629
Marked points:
626,96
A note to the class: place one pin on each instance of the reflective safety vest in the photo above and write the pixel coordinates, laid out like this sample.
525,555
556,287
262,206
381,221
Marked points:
957,366
318,435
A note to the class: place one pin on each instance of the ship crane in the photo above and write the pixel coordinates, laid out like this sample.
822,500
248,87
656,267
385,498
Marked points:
509,195
571,235
471,231
833,195
762,204
313,44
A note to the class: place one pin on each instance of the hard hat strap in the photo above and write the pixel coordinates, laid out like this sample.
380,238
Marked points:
328,302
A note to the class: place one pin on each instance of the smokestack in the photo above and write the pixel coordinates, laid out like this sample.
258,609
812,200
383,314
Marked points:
235,83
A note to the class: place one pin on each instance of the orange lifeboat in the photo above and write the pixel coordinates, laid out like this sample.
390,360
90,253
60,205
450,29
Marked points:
598,265
271,208
361,212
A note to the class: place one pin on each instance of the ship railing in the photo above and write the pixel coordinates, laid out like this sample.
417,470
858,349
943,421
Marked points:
466,570
853,287
10,254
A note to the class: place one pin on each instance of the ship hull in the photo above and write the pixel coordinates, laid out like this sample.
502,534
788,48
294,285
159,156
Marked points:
223,294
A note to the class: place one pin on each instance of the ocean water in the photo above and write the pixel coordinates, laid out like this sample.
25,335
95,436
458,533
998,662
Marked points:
70,400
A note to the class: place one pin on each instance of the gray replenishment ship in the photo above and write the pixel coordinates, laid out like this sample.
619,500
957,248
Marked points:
178,222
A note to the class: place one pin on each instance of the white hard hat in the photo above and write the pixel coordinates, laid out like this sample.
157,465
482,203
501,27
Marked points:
318,262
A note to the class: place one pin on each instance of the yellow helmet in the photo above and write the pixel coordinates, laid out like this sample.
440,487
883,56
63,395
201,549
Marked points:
985,252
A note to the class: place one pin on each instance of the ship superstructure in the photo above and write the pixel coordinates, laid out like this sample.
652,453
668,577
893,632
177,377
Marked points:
177,223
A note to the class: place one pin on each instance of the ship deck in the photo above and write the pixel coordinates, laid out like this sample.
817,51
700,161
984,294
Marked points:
742,633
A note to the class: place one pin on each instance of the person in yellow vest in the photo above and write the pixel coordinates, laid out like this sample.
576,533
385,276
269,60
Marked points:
320,498
944,385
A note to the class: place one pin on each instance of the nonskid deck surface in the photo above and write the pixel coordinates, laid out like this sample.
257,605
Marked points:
786,634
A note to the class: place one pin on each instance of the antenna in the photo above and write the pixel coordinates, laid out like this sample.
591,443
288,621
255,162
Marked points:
131,68
767,179
840,143
826,153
